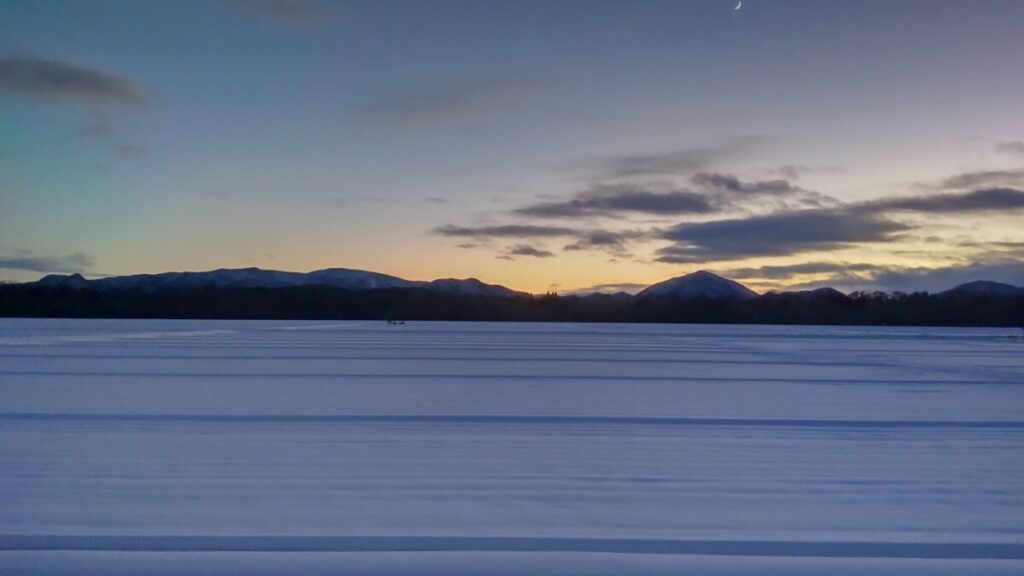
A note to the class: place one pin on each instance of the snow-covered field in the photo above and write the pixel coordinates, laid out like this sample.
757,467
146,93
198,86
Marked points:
214,447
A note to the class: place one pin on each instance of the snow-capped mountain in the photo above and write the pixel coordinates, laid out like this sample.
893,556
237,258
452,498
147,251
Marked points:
258,278
357,279
700,284
470,287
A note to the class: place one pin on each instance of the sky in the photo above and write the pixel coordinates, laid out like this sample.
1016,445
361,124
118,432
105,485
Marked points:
548,145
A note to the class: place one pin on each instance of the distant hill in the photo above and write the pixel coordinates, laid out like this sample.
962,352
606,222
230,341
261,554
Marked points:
986,287
470,286
344,294
700,284
826,292
344,278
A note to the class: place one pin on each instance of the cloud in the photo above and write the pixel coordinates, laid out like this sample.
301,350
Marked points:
938,279
505,231
441,101
671,163
609,199
984,179
919,278
668,163
287,12
611,241
731,183
527,250
785,272
614,288
37,78
1016,147
679,162
71,263
723,192
776,234
737,193
975,201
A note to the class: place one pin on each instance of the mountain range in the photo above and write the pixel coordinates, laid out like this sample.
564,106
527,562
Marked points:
258,278
701,284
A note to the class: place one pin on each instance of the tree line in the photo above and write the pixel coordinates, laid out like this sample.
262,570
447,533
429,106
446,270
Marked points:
329,303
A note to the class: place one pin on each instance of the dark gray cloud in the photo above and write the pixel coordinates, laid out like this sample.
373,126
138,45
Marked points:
38,78
984,179
735,193
915,279
988,199
731,183
774,235
723,192
938,279
528,250
505,231
1016,147
71,263
610,199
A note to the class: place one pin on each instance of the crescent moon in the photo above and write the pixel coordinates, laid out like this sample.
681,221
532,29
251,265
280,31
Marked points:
739,5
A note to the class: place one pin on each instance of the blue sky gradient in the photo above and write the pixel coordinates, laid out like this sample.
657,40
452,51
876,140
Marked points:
297,135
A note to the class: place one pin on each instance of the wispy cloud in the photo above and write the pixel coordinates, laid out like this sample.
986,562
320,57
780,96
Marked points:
48,79
613,242
70,263
672,163
435,100
1015,147
528,250
680,162
505,231
732,183
611,199
718,193
983,179
988,199
788,271
612,288
732,192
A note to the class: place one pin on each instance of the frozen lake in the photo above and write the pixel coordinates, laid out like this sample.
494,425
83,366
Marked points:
206,447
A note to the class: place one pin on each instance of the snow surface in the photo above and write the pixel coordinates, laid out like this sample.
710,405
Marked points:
210,447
